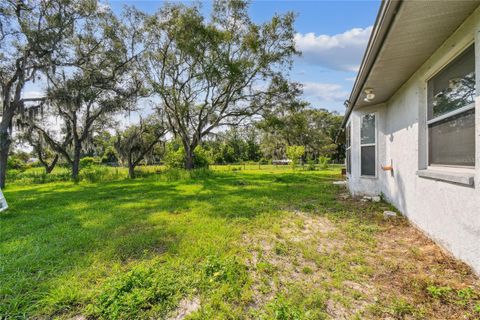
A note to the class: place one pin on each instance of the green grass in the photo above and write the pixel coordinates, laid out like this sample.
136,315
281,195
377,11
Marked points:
68,248
126,249
101,173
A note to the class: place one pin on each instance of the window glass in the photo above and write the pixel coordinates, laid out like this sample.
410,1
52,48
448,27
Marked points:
368,160
347,135
452,140
368,129
349,161
367,145
454,86
348,145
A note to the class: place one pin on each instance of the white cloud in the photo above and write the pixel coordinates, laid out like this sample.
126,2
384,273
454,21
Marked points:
342,51
325,92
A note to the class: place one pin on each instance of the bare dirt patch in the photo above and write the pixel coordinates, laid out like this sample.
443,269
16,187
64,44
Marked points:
276,259
186,307
367,266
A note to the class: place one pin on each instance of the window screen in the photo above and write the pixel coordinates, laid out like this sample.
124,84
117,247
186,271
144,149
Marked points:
348,148
452,140
368,145
349,161
451,113
368,160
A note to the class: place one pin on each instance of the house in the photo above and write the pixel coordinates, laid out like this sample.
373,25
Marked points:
413,120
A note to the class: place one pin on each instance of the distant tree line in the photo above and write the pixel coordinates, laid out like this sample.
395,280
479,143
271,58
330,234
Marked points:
219,85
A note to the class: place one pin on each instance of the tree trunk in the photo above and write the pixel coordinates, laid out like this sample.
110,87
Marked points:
49,168
131,170
76,163
5,142
189,159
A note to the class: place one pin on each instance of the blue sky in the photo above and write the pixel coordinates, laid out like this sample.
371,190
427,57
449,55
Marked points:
331,34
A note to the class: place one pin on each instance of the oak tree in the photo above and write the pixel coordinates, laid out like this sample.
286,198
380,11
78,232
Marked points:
216,71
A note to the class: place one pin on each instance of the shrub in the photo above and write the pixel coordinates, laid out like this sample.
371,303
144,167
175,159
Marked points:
294,153
324,162
87,162
15,163
13,174
174,158
202,158
311,165
109,156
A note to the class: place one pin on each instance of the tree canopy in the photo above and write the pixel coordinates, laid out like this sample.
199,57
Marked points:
216,72
219,86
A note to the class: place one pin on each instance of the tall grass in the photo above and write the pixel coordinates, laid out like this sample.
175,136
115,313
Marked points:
98,173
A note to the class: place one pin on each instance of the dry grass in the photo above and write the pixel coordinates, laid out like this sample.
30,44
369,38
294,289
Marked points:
377,268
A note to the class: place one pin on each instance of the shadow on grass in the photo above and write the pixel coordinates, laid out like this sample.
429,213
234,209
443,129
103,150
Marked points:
54,229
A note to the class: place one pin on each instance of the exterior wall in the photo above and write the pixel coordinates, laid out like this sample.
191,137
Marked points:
359,185
447,212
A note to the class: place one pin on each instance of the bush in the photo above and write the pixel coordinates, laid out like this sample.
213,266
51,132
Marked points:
109,156
15,163
202,158
87,162
295,153
13,174
324,162
176,158
311,165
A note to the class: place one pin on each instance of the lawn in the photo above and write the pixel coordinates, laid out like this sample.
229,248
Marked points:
231,243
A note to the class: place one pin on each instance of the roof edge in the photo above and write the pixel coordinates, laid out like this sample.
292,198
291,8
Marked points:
385,17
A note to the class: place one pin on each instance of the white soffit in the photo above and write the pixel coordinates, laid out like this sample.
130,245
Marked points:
418,29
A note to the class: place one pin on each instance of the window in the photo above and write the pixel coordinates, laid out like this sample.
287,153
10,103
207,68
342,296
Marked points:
348,148
451,113
368,142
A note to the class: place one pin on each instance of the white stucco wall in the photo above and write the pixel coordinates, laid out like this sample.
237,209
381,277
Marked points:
447,212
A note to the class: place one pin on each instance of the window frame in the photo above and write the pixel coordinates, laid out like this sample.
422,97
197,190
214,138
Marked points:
375,144
348,147
447,115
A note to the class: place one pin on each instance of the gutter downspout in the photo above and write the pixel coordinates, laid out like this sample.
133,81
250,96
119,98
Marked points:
386,16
